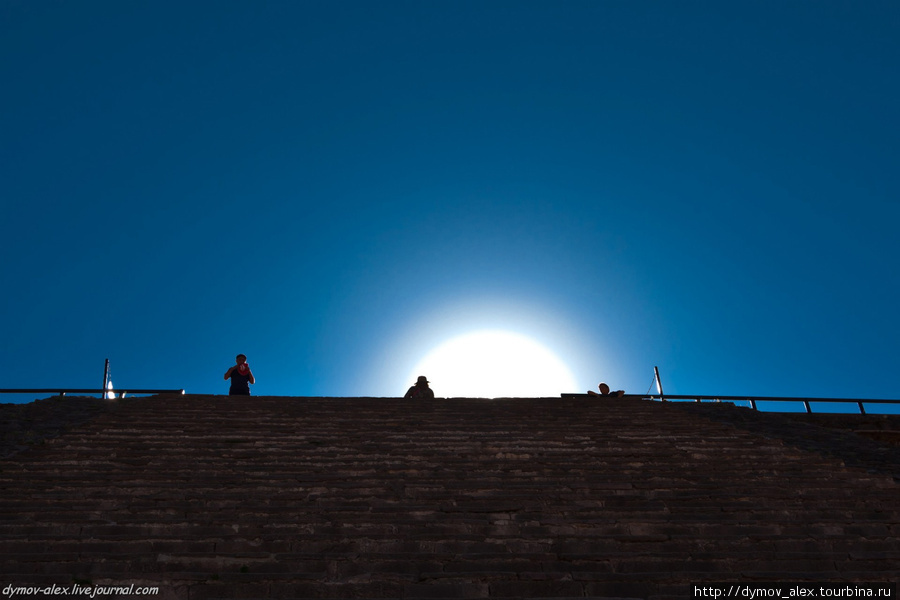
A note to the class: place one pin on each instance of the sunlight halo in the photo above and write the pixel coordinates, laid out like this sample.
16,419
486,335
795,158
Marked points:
493,364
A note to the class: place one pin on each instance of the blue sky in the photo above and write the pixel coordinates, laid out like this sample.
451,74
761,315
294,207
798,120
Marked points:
334,188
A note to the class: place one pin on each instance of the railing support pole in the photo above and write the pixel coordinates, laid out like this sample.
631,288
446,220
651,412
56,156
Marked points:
662,397
105,378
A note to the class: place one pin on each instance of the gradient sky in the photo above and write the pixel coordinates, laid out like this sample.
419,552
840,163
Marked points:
335,188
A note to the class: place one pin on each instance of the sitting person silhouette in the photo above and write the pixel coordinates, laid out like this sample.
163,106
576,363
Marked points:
241,377
420,390
604,391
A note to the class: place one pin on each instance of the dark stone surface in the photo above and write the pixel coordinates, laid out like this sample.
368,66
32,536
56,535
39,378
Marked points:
845,437
25,425
214,497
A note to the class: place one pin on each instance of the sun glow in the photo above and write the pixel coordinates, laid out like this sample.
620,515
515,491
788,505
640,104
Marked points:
492,364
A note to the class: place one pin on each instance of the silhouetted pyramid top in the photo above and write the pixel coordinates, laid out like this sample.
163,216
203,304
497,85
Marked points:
223,497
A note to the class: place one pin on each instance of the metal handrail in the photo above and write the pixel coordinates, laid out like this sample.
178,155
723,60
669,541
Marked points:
64,391
860,402
754,399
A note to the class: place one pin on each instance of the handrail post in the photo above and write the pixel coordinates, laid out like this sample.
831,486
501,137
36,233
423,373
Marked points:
105,378
662,397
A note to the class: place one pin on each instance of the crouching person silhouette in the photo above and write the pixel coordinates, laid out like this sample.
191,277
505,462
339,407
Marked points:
604,391
241,377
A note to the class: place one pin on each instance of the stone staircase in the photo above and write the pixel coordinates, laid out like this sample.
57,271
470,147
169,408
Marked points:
273,497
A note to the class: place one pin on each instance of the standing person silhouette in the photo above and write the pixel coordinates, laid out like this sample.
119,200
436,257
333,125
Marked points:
241,377
420,390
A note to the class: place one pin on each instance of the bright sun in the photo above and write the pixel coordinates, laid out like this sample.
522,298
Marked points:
492,364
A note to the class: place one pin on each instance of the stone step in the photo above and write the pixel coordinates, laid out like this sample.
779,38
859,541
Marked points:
274,497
